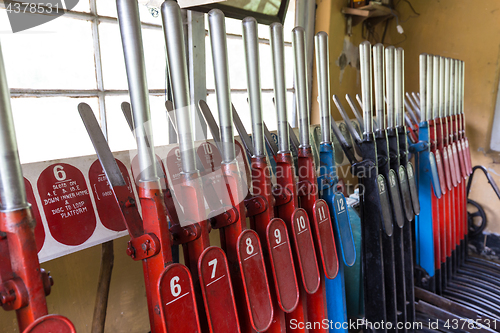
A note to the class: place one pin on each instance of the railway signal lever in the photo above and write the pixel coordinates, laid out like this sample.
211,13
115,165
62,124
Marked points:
327,183
242,245
23,284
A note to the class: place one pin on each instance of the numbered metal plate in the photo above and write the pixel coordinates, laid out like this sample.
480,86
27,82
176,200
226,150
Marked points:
107,208
447,169
413,188
283,268
453,170
255,281
324,232
304,247
467,150
440,169
455,160
343,229
394,191
66,203
385,205
178,304
461,159
215,282
434,175
402,177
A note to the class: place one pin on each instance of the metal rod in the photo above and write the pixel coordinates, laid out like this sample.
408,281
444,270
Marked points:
462,87
217,29
130,29
457,87
301,92
379,85
446,87
251,43
414,105
177,62
423,86
452,87
441,87
323,71
399,87
435,87
416,98
355,111
360,101
278,55
365,56
410,111
12,190
389,85
428,102
347,121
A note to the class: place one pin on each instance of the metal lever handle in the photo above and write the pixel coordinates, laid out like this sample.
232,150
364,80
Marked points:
355,110
429,82
389,85
217,29
323,70
301,92
12,190
411,113
278,55
174,40
435,87
130,29
423,86
365,58
399,87
379,85
247,142
350,127
441,87
251,43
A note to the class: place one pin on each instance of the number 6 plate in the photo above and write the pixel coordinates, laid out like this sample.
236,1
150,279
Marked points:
178,304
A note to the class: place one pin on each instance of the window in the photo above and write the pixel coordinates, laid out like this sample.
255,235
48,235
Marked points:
78,57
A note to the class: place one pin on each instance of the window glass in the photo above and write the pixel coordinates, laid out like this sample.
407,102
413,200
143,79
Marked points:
56,55
113,63
236,64
119,135
82,6
51,128
267,7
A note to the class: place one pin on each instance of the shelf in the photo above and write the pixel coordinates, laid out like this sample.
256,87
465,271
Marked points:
373,10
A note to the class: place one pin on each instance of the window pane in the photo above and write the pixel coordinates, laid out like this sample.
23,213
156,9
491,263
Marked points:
56,55
108,8
268,7
82,6
113,64
289,22
236,63
119,135
51,128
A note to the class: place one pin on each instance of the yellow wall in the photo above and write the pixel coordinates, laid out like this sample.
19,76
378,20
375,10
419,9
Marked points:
462,29
470,31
